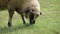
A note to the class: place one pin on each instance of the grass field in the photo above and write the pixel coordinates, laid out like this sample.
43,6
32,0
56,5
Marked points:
47,24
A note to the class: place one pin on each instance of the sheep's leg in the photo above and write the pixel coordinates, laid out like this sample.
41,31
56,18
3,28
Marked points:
11,12
31,18
23,18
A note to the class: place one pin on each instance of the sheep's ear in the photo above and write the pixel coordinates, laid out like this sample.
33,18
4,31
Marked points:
41,13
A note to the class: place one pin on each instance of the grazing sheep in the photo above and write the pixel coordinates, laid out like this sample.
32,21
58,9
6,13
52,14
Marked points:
26,8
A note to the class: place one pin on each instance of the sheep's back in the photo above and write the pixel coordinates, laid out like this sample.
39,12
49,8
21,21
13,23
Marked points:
3,4
23,4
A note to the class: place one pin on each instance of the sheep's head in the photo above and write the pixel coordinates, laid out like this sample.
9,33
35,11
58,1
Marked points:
35,13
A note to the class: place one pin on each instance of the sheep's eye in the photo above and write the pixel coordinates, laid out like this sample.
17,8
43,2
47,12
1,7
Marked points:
33,10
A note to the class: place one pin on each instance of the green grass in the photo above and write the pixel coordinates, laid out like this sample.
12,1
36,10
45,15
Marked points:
47,24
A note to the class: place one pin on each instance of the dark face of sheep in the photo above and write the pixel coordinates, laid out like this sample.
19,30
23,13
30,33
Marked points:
34,15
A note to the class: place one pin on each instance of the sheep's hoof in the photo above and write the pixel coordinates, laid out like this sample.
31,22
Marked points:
9,24
24,22
32,23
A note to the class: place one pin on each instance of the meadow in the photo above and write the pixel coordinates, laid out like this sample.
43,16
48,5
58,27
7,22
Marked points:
45,24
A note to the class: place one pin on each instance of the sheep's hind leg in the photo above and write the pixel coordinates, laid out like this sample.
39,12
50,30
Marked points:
11,12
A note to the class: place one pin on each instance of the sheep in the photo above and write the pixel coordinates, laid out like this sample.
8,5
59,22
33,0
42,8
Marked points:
26,8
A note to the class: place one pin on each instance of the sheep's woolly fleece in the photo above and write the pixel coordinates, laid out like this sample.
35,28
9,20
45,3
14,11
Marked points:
23,4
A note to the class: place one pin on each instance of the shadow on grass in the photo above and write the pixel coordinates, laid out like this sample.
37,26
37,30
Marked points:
14,28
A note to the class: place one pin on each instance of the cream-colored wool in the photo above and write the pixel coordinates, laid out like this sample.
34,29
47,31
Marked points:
23,4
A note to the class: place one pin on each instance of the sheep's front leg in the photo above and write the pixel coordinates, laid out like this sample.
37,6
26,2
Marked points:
23,18
31,18
11,12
